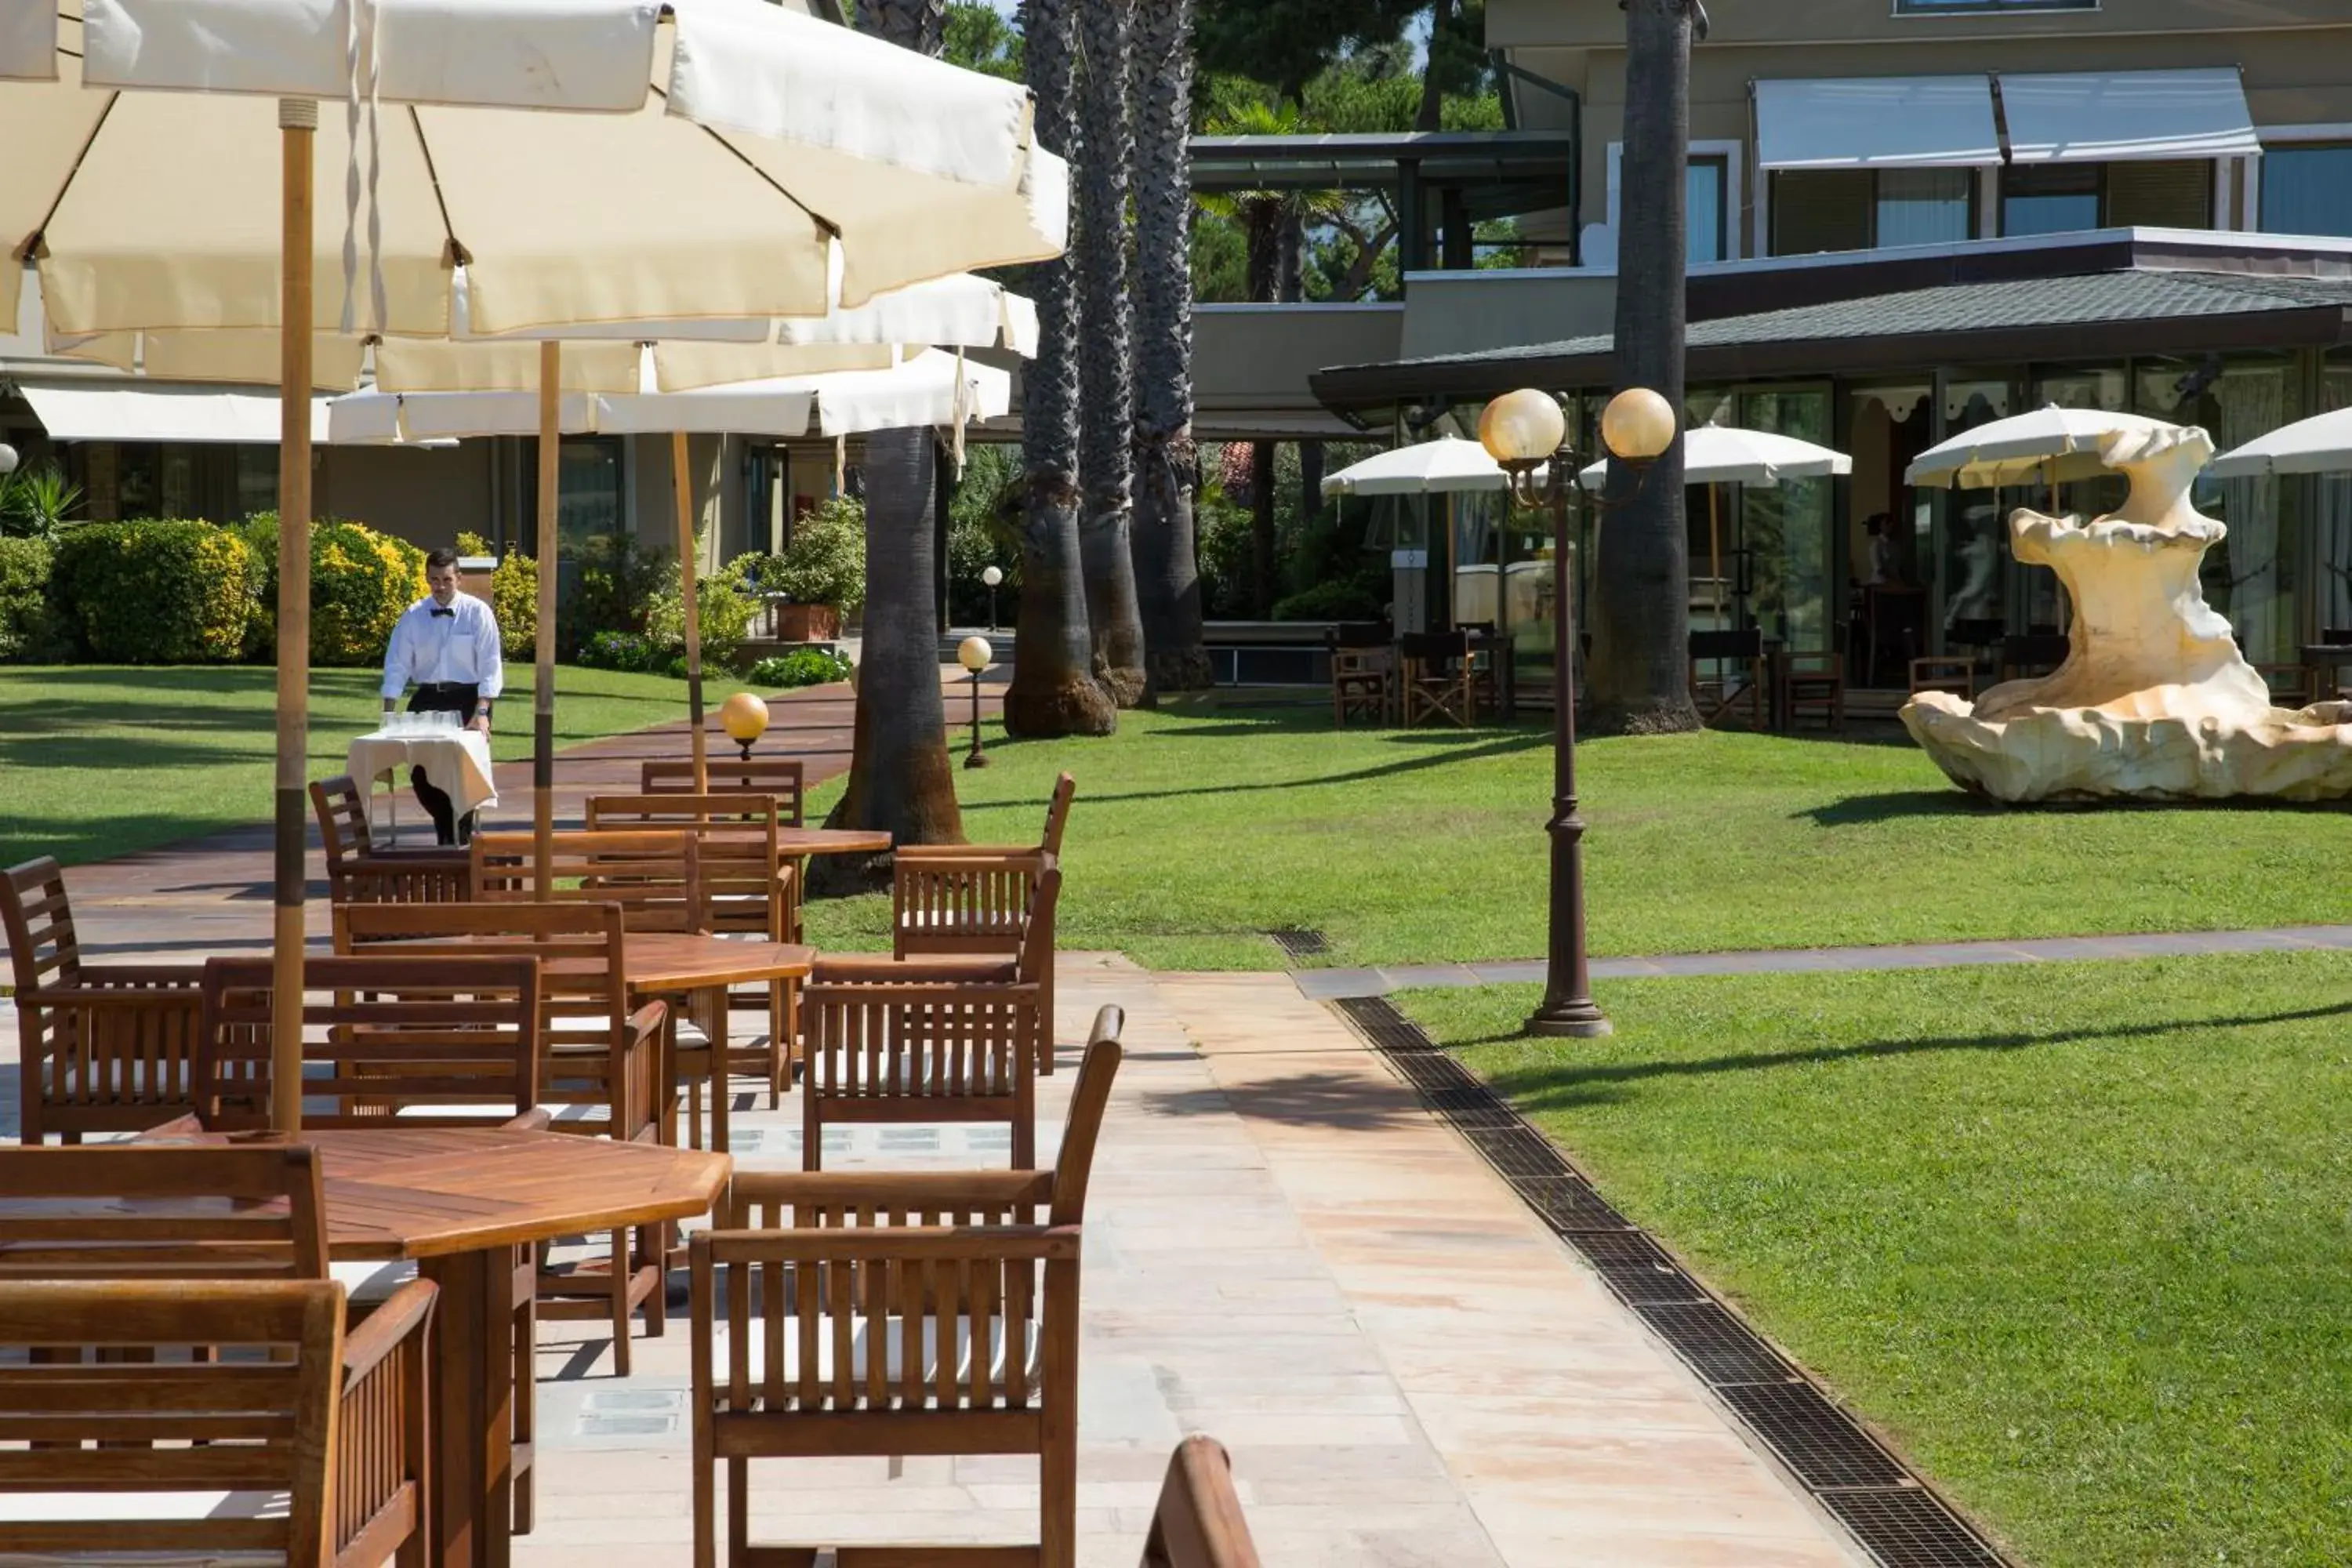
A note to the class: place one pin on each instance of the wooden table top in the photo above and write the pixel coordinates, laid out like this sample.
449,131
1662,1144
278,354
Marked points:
661,960
422,1192
832,841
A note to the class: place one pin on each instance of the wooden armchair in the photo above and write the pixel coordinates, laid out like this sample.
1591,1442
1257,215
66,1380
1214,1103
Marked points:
887,1313
358,872
161,1211
1739,653
1363,672
981,902
778,776
599,1063
751,889
656,876
1198,1523
101,1048
1437,680
1816,681
1940,672
341,1483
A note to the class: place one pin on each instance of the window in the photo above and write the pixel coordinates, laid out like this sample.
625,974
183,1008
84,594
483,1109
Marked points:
1707,200
2049,198
2307,190
1968,7
1860,209
2061,198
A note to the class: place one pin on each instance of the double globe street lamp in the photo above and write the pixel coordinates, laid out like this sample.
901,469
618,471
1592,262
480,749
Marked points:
1525,432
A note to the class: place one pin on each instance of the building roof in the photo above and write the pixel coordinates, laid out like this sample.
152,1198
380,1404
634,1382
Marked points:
2101,315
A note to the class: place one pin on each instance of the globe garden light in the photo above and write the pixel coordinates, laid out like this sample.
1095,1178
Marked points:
745,719
1638,426
8,461
973,654
991,576
1523,427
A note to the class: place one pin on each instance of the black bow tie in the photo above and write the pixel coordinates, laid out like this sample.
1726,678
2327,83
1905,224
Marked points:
439,610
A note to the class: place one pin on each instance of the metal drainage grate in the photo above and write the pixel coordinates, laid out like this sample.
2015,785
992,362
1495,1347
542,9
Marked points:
1897,1519
1909,1527
1298,942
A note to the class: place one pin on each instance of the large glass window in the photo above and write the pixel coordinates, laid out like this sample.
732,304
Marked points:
1785,530
1857,209
2332,524
1964,7
1708,194
1923,207
1975,567
2061,198
2049,198
2307,190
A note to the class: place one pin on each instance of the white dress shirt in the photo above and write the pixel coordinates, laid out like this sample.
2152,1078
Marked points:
457,649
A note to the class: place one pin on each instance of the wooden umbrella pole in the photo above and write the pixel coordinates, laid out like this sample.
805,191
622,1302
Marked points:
542,690
298,121
682,480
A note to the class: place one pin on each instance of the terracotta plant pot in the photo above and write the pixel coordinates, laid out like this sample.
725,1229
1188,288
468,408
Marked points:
807,623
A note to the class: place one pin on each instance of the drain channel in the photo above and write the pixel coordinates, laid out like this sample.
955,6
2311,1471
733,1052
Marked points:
1897,1519
1299,941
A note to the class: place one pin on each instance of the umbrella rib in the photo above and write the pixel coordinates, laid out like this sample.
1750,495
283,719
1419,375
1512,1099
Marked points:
832,229
458,254
29,250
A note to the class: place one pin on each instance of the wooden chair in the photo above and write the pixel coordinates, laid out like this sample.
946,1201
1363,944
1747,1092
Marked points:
889,1314
599,1061
2291,685
1944,672
656,877
1489,652
101,1048
977,903
338,1482
1731,653
1198,1523
1817,681
1363,671
149,1212
358,872
1437,682
778,776
752,889
437,1042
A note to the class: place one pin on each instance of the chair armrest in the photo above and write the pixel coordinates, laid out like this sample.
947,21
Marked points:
402,1313
913,852
784,905
178,1127
645,1022
919,1190
851,968
911,1243
538,1119
98,983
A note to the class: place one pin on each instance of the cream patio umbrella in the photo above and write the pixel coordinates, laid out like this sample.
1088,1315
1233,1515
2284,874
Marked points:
2319,445
2051,444
715,152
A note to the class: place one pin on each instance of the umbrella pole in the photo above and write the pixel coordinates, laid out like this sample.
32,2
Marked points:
297,122
684,483
542,692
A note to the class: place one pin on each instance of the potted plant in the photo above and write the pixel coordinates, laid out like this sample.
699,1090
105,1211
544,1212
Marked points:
822,573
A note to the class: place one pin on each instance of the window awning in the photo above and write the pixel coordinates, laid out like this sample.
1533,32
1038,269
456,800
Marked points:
2104,116
1871,122
95,410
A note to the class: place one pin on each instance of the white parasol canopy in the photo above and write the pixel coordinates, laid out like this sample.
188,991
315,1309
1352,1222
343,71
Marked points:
1726,455
2050,446
2320,445
1448,463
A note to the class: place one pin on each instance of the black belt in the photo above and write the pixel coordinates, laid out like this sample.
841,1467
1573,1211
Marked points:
448,686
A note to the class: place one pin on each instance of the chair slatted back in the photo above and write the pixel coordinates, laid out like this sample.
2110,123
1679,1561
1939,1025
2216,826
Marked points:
932,1043
781,777
161,1212
962,903
1198,1523
358,872
435,1041
104,1048
1057,814
250,1425
743,870
341,810
656,877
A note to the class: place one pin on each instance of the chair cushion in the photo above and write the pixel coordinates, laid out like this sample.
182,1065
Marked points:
366,1283
862,1330
490,1114
94,1508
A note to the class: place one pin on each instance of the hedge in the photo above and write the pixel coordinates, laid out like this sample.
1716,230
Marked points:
360,581
156,592
30,629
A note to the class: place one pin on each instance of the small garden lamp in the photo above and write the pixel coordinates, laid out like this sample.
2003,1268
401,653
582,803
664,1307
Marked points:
8,464
1525,432
973,654
992,576
746,720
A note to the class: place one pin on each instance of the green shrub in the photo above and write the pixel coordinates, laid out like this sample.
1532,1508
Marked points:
611,591
514,600
627,651
984,531
156,592
360,581
1342,599
472,543
29,627
37,502
801,667
825,562
723,612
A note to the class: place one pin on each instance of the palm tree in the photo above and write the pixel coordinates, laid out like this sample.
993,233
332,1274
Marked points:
1054,692
1105,376
1641,600
900,779
1167,465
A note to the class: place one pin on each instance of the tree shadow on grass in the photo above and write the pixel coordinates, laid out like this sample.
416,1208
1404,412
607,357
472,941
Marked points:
1571,1085
1473,751
1897,805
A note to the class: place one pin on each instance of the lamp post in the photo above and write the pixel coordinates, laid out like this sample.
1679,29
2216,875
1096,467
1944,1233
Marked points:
973,654
1526,433
746,720
992,576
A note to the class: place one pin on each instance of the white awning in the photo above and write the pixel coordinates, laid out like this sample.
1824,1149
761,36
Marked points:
1876,123
110,411
2101,116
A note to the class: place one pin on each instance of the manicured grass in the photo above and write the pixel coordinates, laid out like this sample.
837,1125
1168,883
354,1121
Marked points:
2073,1234
1199,827
97,761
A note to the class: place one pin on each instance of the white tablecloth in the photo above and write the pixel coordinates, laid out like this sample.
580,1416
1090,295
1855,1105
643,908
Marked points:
457,763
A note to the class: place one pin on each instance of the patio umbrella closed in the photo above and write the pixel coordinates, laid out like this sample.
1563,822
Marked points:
716,153
2320,445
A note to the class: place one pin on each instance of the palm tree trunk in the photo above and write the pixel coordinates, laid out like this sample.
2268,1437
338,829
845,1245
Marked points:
901,780
1641,602
1054,692
1106,375
1167,465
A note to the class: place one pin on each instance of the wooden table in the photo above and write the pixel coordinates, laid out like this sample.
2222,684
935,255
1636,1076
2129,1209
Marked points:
456,1201
807,841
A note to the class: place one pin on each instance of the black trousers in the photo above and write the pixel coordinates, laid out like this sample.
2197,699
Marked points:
447,826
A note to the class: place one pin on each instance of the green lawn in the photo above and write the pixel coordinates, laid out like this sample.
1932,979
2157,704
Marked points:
1197,827
2074,1235
97,761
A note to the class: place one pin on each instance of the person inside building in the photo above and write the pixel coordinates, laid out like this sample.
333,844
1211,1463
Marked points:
445,646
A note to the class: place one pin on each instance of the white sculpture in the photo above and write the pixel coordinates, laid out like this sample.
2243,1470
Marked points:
2154,700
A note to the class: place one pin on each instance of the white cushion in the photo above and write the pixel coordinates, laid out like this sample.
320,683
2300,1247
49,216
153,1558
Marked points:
861,1332
490,1114
370,1282
79,1507
691,1037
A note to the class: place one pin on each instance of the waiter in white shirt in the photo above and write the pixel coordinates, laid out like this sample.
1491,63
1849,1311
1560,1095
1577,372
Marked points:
447,646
